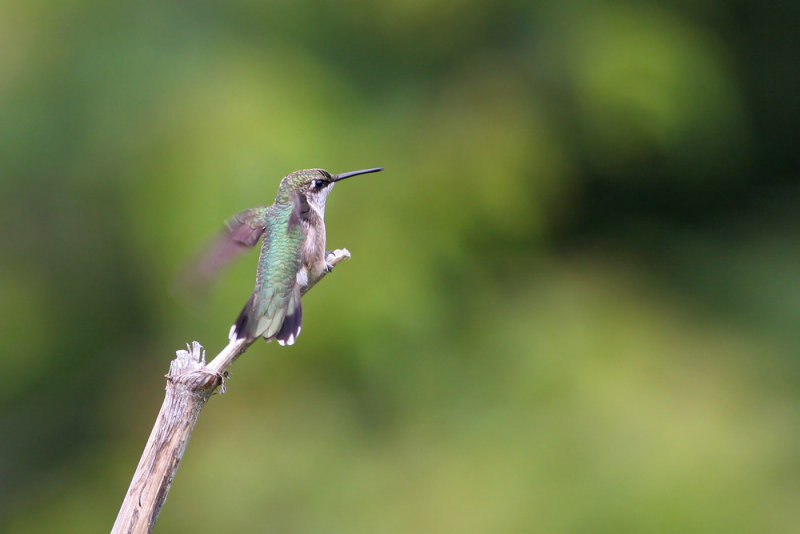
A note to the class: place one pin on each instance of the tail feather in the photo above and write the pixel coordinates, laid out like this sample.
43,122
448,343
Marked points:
292,323
281,324
244,323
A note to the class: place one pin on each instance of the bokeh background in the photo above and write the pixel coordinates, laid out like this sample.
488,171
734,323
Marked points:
574,294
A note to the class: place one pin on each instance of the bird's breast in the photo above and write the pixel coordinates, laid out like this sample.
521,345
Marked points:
313,255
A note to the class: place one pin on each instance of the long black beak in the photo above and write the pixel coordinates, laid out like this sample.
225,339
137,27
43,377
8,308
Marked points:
337,177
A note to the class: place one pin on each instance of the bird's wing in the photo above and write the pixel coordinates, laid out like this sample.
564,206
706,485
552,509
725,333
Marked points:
243,231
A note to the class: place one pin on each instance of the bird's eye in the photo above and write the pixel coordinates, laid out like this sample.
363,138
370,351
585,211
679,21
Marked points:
319,184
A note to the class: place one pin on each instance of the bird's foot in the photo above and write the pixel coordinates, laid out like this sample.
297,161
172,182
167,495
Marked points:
335,256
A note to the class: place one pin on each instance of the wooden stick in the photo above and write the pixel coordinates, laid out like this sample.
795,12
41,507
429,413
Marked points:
189,386
190,383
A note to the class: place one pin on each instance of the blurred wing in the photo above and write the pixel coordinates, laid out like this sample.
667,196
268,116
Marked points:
243,232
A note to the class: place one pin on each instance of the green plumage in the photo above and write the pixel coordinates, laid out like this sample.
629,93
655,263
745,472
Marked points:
276,294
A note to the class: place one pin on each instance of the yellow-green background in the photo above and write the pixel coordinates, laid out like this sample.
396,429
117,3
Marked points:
574,296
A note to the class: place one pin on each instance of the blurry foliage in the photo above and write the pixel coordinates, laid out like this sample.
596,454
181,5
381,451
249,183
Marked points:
573,297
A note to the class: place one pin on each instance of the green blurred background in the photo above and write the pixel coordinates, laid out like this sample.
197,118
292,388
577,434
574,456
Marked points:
574,294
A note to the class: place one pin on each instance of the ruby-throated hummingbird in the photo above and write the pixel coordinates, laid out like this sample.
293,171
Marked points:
293,256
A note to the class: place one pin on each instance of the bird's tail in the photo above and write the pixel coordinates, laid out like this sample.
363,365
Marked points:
257,319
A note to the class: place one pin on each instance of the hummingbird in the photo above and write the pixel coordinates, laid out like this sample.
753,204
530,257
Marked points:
293,256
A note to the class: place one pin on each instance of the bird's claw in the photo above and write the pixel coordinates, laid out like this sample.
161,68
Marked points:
334,257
